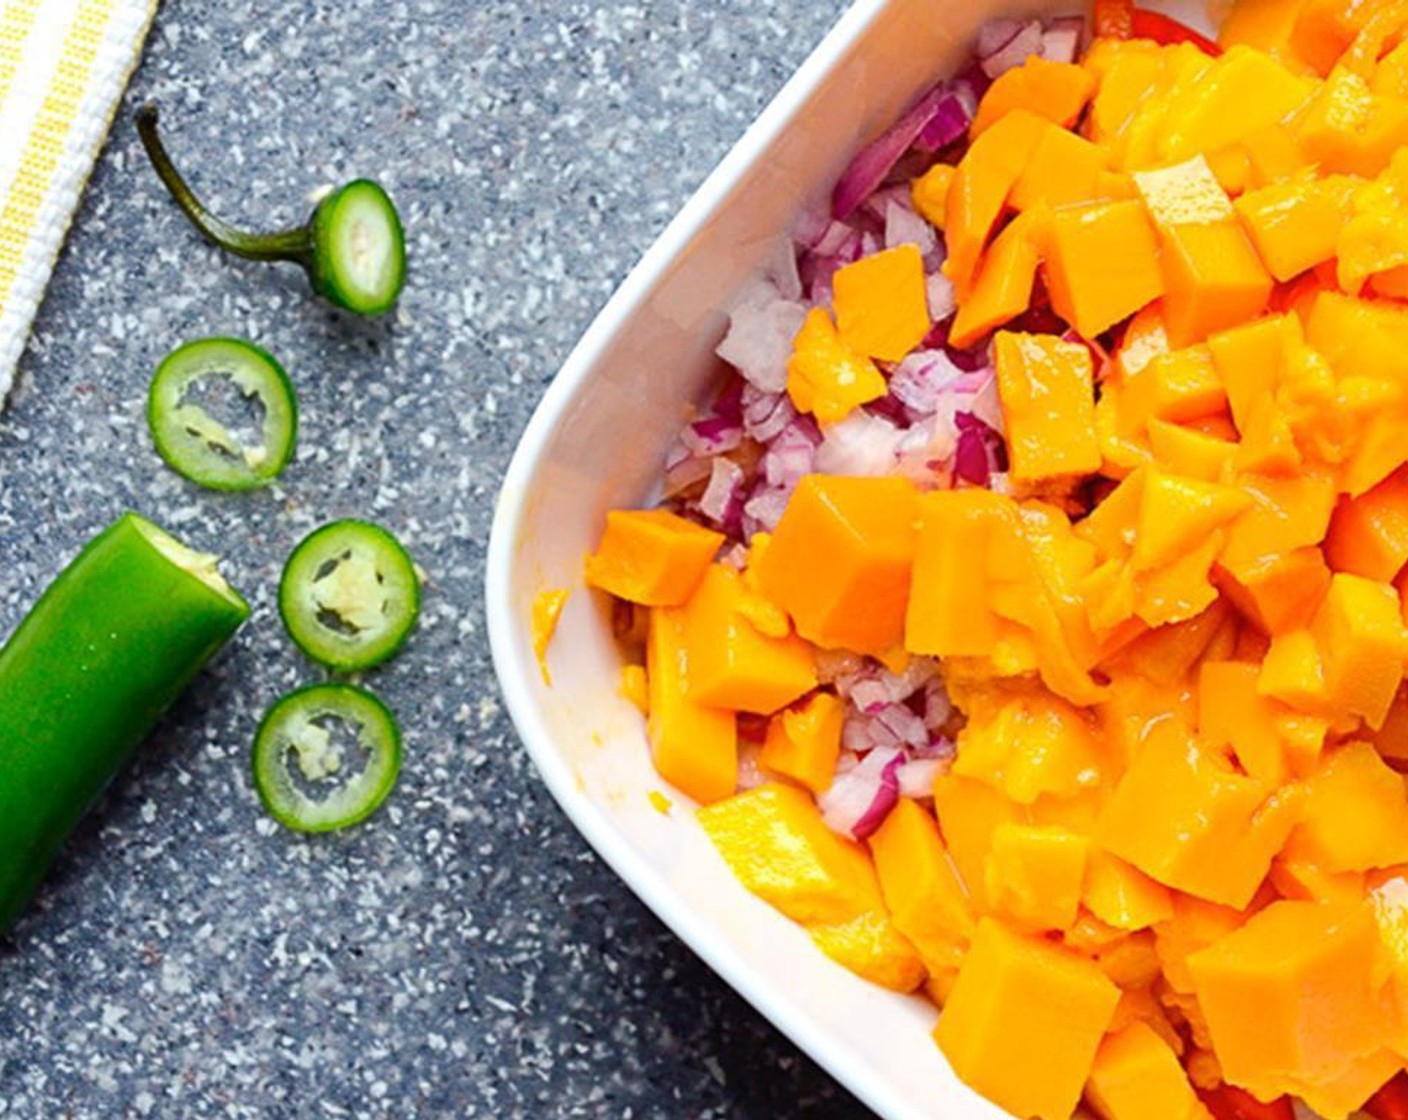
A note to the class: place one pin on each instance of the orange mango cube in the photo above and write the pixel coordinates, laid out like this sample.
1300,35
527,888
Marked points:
803,743
1004,286
1102,263
1346,127
825,376
1121,895
1362,642
1020,1000
839,561
1353,815
731,663
694,748
1137,1076
930,193
1057,91
651,556
1034,875
1064,169
1295,224
881,301
1046,388
1369,534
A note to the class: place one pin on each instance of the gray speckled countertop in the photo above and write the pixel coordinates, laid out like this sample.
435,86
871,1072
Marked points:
463,954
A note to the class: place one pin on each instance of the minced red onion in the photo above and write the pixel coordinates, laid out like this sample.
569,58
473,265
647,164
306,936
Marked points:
860,799
904,227
920,380
1060,40
1024,42
987,406
791,454
859,446
943,299
838,240
876,684
762,327
685,472
765,414
872,163
764,509
952,116
980,452
722,500
713,435
916,777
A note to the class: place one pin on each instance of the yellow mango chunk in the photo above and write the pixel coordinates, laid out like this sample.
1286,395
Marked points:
1353,815
926,899
825,376
1064,169
1024,1021
1295,224
1265,25
1057,91
1185,817
1046,387
970,812
803,743
1102,263
1368,535
1004,285
1189,452
774,840
1362,642
1346,127
1034,875
981,185
1231,713
882,309
866,528
929,194
1179,386
1121,895
1176,514
731,663
1293,672
871,947
694,748
1291,999
1125,73
651,556
1137,1076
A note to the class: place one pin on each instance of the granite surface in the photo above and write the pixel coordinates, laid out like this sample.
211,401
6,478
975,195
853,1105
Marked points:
463,954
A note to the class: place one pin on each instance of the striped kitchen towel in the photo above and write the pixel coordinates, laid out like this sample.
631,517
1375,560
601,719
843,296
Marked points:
63,67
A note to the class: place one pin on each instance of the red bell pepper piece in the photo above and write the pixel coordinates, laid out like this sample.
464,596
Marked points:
1145,24
1227,1102
1390,1102
1114,19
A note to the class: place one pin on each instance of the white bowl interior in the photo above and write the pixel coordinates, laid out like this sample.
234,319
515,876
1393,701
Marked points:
597,442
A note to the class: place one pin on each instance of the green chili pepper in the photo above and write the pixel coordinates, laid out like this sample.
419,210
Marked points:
195,444
107,648
349,595
353,247
310,777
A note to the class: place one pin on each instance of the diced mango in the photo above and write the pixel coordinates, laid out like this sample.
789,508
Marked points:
803,743
1273,155
871,947
866,530
1102,263
970,812
882,309
1126,73
930,193
1057,91
1369,534
1184,817
1294,673
731,663
1212,279
1046,387
1004,286
1295,224
694,748
1064,169
1265,25
1034,875
1121,895
825,376
1176,514
1021,995
1136,1076
1353,815
1179,386
980,189
651,556
926,899
1291,998
1231,713
774,840
1362,642
1346,127
1189,452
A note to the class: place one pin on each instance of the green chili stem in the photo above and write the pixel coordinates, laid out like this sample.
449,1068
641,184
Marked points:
287,245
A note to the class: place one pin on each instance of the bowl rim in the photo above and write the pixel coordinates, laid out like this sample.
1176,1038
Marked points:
506,630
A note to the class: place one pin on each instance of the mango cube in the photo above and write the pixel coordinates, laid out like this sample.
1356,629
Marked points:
1034,875
1295,224
1362,642
1353,815
1024,1021
731,663
882,309
1137,1076
825,376
1369,534
1057,91
803,743
1046,387
651,556
1102,263
1121,895
695,748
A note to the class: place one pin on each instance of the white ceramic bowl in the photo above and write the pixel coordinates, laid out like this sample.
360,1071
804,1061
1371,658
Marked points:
598,441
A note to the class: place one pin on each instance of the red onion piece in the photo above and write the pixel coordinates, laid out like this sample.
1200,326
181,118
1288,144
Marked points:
860,799
916,778
765,414
996,34
872,163
1024,43
712,435
904,227
722,500
922,378
860,446
1060,41
761,330
952,116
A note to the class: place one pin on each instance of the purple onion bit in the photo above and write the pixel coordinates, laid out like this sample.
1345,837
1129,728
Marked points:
873,162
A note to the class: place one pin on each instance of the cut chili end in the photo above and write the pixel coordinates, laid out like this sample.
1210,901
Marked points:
349,595
325,757
198,445
359,248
